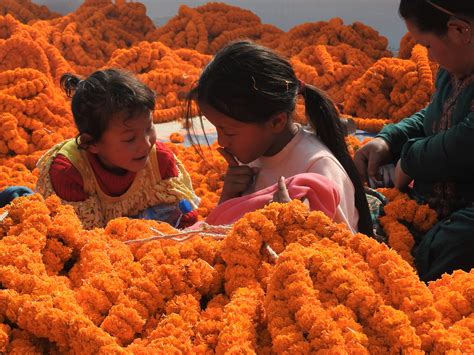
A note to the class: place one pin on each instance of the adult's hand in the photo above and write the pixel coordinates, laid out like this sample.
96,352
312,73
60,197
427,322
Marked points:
238,178
402,180
371,157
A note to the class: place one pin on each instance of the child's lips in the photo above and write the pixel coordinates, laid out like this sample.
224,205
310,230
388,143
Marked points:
141,158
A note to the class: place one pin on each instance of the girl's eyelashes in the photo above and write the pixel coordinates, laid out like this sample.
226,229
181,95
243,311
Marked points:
130,140
229,134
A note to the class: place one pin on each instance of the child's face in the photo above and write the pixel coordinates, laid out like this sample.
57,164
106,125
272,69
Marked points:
245,141
126,143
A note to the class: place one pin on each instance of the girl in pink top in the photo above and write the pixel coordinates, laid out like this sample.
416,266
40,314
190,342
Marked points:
249,94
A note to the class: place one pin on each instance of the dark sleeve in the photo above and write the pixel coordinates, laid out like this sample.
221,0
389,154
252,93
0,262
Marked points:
166,161
399,133
413,127
448,246
66,180
447,155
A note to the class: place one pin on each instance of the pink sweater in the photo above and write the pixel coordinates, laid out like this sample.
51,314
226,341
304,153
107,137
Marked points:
320,192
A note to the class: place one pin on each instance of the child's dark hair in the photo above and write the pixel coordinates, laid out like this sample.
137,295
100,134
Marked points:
433,15
96,99
251,83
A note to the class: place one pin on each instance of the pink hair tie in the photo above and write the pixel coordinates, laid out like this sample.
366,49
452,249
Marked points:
301,87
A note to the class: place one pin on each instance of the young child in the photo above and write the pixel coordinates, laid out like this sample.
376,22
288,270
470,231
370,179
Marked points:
115,167
249,94
434,146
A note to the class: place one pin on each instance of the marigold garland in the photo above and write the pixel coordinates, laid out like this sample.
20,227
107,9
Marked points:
392,88
207,169
170,73
88,36
331,68
209,27
4,337
402,209
327,289
26,11
334,32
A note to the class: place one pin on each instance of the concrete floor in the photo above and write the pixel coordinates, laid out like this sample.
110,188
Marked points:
164,130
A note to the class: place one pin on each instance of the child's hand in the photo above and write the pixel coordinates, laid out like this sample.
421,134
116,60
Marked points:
281,194
237,179
402,180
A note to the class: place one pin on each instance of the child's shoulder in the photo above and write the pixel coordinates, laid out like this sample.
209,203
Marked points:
62,165
166,161
66,180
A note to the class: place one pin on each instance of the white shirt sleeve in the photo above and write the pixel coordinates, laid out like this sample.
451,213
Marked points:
331,168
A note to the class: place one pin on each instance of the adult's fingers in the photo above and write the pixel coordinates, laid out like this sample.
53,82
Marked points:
373,166
360,161
230,159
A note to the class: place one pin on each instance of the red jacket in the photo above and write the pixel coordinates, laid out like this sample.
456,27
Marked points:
68,185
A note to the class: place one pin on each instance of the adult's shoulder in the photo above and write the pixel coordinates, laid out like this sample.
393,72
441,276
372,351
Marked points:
443,77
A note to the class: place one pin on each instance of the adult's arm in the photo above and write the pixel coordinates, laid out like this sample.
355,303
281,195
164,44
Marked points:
448,155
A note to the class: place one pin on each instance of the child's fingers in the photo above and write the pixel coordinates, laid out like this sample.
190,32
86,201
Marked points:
282,190
281,194
230,159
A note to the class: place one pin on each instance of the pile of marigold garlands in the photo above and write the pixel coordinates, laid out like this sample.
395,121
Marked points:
281,279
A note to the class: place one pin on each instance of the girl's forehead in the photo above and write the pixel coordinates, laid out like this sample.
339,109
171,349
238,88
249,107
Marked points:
218,118
124,121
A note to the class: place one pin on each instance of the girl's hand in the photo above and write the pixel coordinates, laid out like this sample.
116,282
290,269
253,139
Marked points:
281,194
237,179
402,180
371,157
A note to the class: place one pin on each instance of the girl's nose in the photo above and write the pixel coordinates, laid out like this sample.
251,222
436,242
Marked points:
222,140
148,141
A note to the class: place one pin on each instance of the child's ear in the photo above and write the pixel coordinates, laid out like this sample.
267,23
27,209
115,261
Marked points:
278,122
87,142
92,148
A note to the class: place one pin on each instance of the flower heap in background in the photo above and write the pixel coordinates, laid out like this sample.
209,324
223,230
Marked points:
88,36
207,169
34,113
209,27
170,73
282,279
331,68
392,87
26,11
328,54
